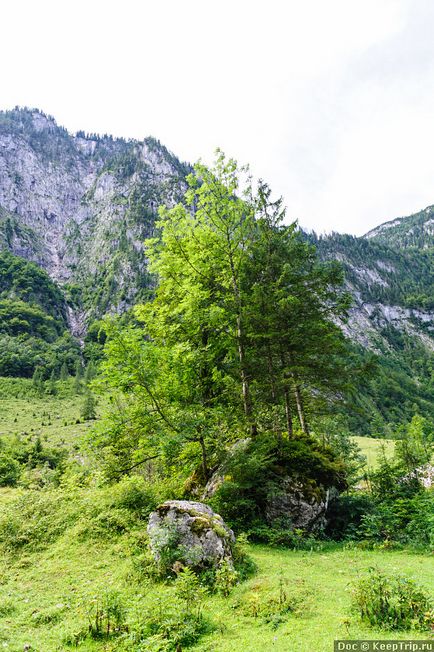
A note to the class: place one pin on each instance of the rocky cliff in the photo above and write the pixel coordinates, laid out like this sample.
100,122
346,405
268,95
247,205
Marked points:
81,205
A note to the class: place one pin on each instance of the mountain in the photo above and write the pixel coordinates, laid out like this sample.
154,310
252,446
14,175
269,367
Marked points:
390,274
77,208
80,207
415,231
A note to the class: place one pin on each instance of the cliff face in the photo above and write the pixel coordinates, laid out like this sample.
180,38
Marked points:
390,273
80,206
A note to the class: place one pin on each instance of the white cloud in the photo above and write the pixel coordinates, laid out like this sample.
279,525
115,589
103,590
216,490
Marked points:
330,102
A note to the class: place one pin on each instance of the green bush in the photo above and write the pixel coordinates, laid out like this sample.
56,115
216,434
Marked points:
36,519
254,475
175,620
345,516
137,495
10,470
392,603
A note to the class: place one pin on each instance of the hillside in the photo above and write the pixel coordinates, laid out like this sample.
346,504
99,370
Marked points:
390,275
80,206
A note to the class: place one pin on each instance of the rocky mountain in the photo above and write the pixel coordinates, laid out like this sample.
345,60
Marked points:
80,206
391,280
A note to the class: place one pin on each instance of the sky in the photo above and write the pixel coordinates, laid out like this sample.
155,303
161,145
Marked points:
329,101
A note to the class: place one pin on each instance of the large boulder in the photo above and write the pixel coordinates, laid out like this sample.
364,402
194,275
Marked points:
297,501
303,506
189,533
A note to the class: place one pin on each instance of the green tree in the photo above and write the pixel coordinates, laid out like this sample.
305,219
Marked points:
242,311
64,372
38,380
88,409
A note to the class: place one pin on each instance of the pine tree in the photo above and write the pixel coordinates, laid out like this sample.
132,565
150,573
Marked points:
64,372
38,380
88,409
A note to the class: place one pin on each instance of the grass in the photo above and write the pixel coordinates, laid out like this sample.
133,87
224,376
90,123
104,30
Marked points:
46,592
372,449
44,595
56,419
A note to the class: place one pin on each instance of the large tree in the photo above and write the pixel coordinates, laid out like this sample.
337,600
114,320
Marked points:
239,338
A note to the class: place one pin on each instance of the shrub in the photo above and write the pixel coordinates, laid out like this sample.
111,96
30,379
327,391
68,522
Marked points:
392,603
404,520
225,578
9,470
272,604
345,516
35,519
106,615
135,494
175,621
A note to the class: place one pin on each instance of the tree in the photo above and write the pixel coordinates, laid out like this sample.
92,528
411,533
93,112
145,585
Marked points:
88,409
64,372
38,380
243,313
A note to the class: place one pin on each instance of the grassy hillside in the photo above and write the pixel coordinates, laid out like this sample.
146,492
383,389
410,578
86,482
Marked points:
49,591
72,546
55,419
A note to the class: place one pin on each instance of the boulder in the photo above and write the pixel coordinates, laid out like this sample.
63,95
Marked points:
189,533
301,503
303,506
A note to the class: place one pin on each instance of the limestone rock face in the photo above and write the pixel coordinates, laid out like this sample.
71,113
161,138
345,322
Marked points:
190,533
81,206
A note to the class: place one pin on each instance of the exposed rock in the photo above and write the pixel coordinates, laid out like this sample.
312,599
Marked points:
190,533
424,474
304,508
78,205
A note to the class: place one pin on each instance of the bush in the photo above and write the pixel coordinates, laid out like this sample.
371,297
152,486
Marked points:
392,603
106,617
282,534
272,604
10,470
254,475
135,494
35,519
175,621
345,516
404,520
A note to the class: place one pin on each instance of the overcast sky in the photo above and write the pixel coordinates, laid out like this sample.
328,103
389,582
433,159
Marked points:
330,101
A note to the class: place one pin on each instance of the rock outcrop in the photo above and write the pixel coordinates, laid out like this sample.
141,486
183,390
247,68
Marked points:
297,504
189,533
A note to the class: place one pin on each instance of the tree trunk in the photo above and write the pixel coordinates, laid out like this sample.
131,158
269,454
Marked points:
205,469
288,413
300,409
247,403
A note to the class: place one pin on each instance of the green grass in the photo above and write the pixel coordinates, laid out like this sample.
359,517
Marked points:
45,592
56,419
59,583
372,449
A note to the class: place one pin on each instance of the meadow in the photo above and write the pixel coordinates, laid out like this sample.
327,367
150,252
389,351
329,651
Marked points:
48,595
66,548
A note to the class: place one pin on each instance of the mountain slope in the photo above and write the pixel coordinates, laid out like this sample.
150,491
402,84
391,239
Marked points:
416,231
80,206
390,274
33,320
